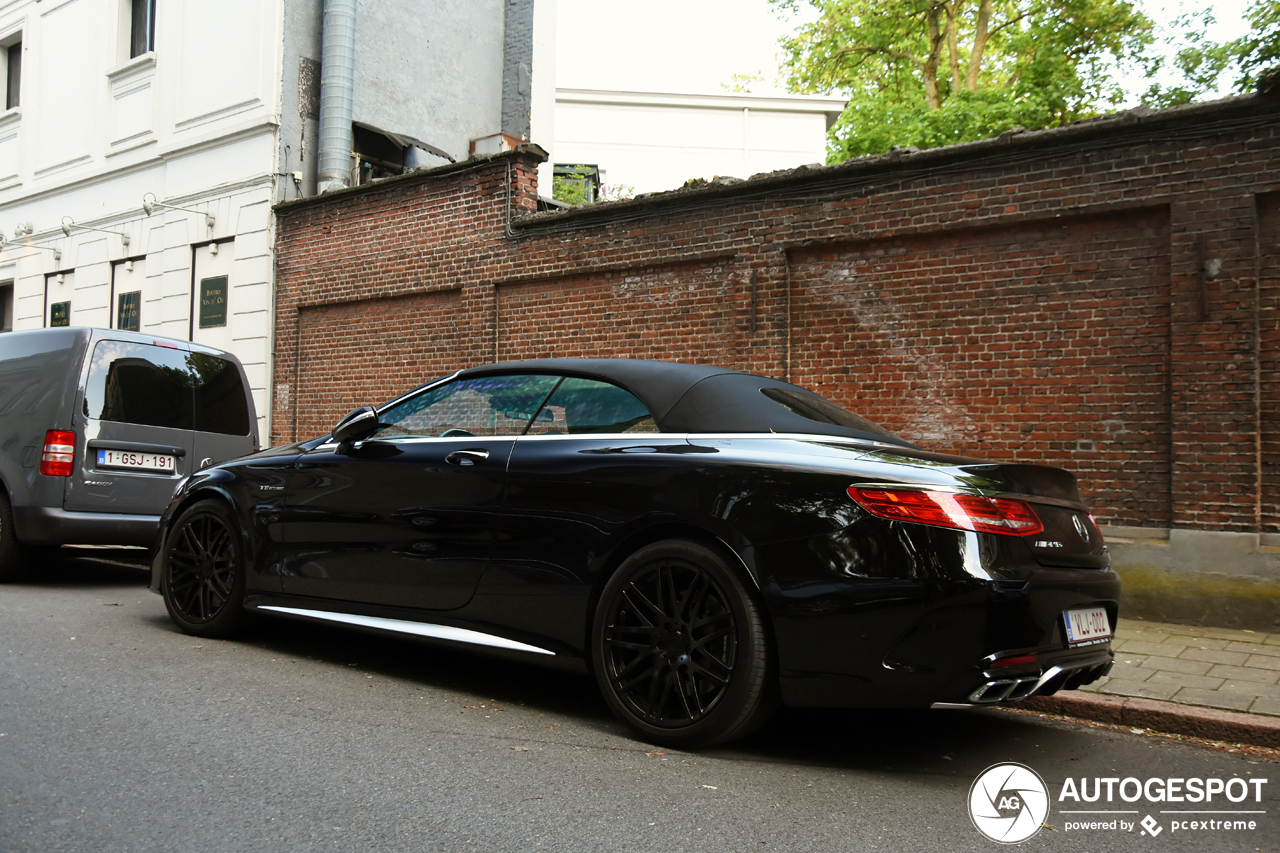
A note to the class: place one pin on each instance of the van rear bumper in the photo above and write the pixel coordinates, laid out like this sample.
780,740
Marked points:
48,525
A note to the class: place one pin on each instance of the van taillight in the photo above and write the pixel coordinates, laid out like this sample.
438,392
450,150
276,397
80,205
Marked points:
59,453
959,512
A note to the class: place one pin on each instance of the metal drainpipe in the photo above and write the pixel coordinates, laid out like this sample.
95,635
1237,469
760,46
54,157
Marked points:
337,81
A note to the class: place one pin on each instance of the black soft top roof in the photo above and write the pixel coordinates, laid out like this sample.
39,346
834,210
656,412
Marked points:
693,397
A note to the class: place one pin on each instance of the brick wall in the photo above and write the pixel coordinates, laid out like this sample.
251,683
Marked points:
1093,297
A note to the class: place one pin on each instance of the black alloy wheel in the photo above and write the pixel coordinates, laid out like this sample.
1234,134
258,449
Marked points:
679,646
203,575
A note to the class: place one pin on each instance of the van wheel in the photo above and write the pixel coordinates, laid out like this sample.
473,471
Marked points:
12,554
679,647
203,572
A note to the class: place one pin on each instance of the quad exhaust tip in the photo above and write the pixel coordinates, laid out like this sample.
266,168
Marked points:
1046,684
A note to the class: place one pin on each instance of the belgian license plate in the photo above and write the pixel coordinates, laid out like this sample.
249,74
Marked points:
1087,625
134,461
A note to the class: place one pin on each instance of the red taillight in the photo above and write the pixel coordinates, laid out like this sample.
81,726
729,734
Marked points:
1016,661
59,453
959,512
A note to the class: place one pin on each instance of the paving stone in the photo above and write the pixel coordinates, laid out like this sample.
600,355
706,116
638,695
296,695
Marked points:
1128,687
1130,673
1272,640
1204,682
1252,688
1263,662
1168,664
1131,660
1264,705
1146,647
1244,673
1163,627
1215,656
1207,643
1126,675
1254,649
1230,634
1213,699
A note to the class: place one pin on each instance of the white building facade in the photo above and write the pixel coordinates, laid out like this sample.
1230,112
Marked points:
652,141
144,143
119,102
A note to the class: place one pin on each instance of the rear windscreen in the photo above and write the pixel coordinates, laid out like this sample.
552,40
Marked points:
220,402
139,384
806,404
158,386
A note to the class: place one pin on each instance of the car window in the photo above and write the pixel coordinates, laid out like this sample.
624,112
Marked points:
220,402
584,406
139,384
486,405
806,404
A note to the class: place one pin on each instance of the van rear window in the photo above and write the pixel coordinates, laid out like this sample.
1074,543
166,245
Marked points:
157,386
219,396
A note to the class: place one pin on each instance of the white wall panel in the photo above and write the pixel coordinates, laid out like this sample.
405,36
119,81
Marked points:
221,58
69,75
10,149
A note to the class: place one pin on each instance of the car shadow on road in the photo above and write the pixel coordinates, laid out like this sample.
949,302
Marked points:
87,568
453,670
916,740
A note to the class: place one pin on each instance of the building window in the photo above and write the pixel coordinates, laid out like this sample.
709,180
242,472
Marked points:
13,72
575,183
142,38
6,307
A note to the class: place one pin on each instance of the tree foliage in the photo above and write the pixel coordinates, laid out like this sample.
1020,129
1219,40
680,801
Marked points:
925,73
1199,64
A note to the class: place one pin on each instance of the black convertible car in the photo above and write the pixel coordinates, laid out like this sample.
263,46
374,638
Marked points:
707,542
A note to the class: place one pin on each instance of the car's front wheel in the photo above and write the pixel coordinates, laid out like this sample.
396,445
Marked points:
679,646
203,576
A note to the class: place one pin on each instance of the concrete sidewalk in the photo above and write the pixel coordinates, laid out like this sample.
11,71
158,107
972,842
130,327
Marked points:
1216,683
1213,667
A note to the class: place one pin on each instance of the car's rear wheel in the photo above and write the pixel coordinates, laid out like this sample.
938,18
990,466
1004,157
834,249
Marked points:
203,574
13,557
679,646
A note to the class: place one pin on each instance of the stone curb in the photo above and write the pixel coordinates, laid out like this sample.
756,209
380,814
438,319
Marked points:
1170,717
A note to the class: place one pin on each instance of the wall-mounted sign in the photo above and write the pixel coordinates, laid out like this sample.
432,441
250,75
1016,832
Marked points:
213,301
60,314
128,309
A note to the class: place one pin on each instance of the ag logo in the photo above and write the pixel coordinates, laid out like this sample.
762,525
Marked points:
1008,802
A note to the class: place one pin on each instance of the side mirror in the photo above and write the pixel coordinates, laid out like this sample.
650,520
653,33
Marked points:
355,426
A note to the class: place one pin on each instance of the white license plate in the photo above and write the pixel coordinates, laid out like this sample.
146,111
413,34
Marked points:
1090,623
133,460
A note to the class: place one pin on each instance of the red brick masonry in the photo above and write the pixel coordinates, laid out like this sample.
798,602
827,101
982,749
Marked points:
1086,297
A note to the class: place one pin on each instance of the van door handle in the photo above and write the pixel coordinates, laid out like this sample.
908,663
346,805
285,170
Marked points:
466,457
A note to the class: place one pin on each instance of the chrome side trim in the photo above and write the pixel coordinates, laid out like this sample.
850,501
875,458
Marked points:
421,629
641,437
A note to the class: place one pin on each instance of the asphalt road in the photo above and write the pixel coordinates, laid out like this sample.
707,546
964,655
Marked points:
118,732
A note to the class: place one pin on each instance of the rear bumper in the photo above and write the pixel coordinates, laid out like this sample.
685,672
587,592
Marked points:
875,623
44,525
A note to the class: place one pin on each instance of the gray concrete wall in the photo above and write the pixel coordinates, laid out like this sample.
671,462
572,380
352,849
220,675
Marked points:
517,68
1198,577
299,98
431,70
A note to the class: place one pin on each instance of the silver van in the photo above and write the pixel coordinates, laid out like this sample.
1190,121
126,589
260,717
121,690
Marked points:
98,427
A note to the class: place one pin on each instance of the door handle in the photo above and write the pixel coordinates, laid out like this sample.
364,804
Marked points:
466,457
